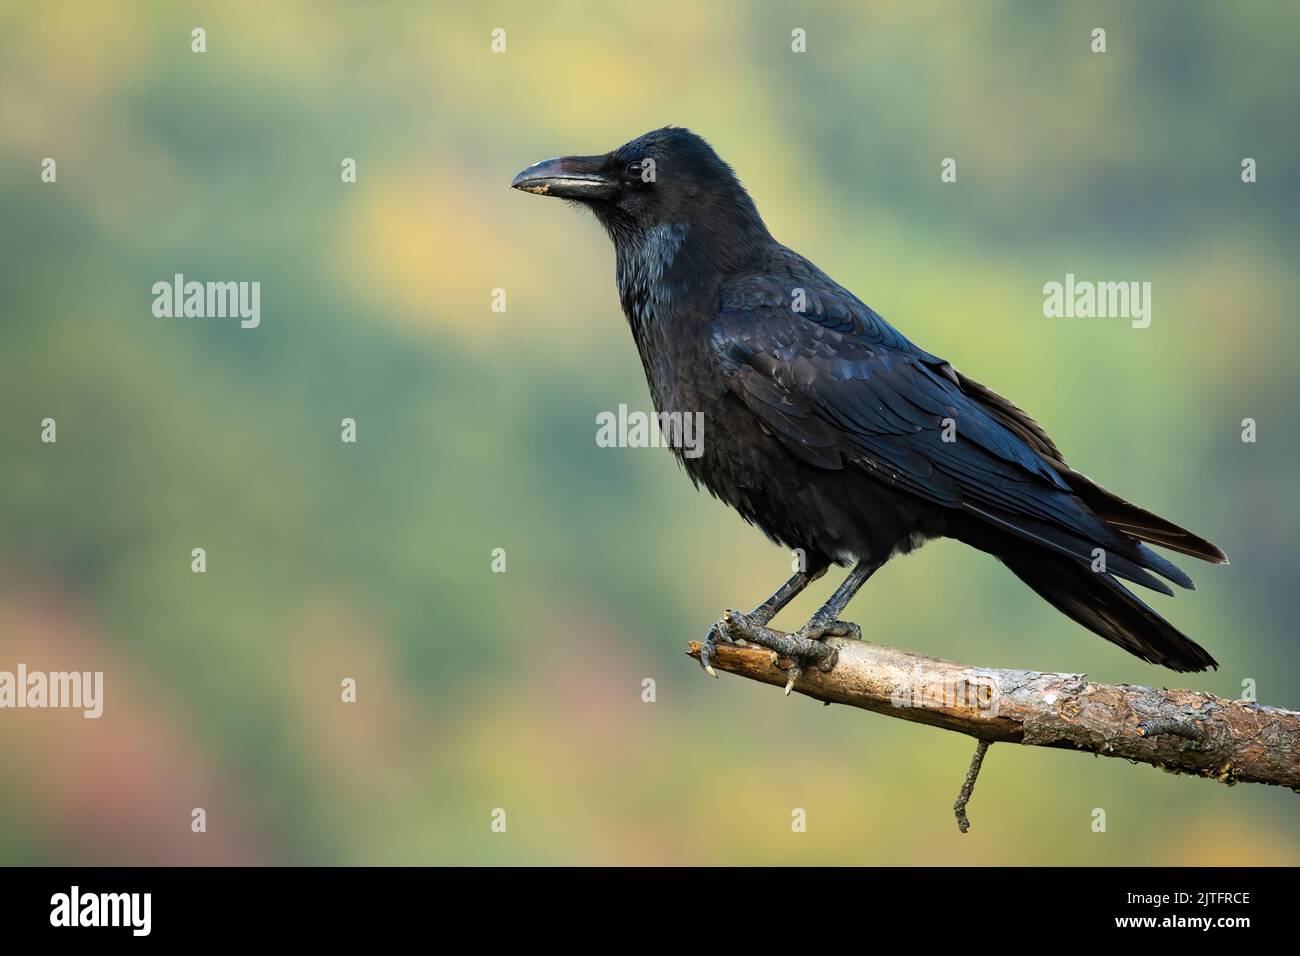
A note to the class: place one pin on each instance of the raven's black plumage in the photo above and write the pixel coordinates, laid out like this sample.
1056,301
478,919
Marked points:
827,428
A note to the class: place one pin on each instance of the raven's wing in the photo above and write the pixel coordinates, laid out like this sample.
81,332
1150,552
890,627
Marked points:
840,387
1110,507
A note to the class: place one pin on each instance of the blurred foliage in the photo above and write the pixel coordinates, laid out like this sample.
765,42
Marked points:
476,429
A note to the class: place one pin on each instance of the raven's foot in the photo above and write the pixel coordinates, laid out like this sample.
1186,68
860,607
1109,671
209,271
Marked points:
735,628
812,651
719,633
804,647
815,632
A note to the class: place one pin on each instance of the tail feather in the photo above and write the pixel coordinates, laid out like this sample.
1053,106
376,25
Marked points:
1122,515
1140,523
1065,543
1106,607
1166,568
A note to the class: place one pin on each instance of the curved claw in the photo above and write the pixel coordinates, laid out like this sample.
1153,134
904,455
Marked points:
710,644
792,675
706,654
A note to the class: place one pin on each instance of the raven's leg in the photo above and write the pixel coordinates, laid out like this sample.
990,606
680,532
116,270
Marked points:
761,615
785,594
826,623
804,646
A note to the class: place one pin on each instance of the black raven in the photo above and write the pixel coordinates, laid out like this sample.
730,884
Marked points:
833,433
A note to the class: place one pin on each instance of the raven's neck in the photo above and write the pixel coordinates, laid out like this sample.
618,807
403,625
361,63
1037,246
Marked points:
669,269
669,277
646,268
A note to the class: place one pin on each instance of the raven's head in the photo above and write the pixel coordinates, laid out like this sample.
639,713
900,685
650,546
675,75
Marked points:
667,178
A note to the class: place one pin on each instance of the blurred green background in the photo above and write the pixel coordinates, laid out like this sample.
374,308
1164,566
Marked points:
476,429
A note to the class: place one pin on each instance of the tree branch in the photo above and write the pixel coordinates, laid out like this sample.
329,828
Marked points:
968,785
1178,730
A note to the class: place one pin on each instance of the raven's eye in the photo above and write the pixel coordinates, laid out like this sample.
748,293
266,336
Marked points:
640,173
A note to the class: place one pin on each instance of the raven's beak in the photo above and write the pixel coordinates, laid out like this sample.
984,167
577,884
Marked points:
569,177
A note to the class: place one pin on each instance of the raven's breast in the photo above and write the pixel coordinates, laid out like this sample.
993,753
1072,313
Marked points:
841,515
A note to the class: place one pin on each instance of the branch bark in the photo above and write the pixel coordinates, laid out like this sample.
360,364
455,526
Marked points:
1178,730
